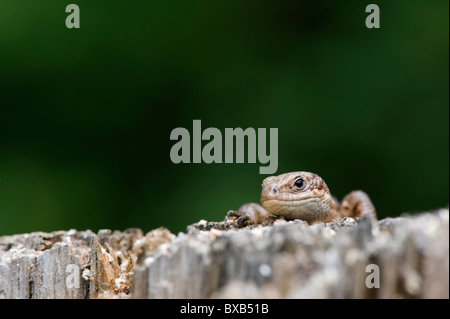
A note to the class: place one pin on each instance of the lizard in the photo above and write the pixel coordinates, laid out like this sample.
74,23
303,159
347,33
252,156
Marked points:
300,195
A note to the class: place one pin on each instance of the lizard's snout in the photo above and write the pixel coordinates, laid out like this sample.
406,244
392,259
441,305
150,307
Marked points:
271,190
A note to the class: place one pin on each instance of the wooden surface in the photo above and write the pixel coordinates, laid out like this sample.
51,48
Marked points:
215,260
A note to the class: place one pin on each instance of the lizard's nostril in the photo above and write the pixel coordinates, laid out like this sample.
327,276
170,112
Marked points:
274,189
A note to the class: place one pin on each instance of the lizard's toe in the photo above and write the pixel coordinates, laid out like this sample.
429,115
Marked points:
268,221
233,214
244,221
238,219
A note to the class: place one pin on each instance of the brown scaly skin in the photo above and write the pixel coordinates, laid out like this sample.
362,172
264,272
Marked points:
300,195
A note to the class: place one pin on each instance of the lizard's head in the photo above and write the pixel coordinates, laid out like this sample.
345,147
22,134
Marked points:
300,195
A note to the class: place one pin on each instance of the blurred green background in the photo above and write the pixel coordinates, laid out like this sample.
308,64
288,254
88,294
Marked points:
86,115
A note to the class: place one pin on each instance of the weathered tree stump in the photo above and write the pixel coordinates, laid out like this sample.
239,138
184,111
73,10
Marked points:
404,257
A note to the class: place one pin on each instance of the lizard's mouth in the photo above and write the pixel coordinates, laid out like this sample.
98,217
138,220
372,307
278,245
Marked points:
306,208
288,202
288,199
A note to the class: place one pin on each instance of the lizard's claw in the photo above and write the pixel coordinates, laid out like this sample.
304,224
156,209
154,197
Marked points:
238,218
270,220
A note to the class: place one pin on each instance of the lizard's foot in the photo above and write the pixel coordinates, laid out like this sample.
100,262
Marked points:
248,214
357,204
268,221
238,218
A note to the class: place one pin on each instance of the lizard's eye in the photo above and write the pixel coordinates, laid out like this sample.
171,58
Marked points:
300,183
